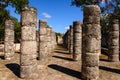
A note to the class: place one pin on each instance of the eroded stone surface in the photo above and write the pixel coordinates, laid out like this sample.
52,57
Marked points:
9,40
91,43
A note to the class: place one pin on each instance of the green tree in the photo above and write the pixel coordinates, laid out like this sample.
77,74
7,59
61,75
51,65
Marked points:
4,14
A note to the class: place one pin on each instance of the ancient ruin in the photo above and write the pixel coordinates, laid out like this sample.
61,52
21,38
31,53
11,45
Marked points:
9,40
71,40
114,41
42,39
77,40
28,57
44,54
91,43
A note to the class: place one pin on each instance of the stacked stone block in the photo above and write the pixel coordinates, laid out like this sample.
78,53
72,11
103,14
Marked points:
53,40
77,40
28,62
42,40
9,40
64,38
49,34
71,40
114,41
68,39
91,43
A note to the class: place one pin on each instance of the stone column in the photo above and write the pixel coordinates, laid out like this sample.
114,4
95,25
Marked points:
91,43
28,62
77,40
68,39
42,39
9,40
71,40
114,41
49,44
54,42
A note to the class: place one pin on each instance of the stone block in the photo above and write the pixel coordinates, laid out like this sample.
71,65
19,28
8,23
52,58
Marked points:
92,45
29,16
28,33
28,47
90,73
29,72
28,59
90,59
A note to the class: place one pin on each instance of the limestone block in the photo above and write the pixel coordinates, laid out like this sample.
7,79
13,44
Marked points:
28,47
28,60
92,73
91,60
28,33
29,16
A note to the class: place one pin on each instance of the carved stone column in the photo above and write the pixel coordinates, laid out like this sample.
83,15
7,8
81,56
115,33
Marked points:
9,40
114,41
42,39
91,43
28,62
77,40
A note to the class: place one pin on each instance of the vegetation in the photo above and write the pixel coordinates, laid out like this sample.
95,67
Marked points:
59,34
4,14
110,9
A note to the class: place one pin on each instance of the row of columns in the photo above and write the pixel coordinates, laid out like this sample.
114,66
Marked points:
85,40
86,43
47,40
73,40
28,47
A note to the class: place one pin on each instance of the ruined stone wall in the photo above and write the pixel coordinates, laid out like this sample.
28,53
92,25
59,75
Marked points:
28,62
91,43
114,41
9,40
77,40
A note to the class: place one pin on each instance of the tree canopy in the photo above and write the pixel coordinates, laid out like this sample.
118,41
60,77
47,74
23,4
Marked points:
4,13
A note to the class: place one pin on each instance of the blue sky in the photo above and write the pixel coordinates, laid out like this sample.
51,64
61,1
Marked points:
59,13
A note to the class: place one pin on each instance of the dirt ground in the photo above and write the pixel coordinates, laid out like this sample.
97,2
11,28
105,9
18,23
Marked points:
58,66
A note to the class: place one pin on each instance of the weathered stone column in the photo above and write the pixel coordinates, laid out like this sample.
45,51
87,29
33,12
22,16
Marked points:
42,39
68,39
9,40
49,44
91,43
71,40
54,42
114,41
28,62
77,40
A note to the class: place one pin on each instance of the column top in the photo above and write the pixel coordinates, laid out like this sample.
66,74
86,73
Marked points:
77,22
42,21
92,9
9,22
115,21
29,8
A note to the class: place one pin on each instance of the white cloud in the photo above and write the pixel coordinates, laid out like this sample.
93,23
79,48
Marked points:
46,15
67,27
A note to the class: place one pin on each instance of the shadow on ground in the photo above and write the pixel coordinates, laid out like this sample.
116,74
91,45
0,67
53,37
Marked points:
69,59
109,69
104,60
61,52
2,57
65,70
15,68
